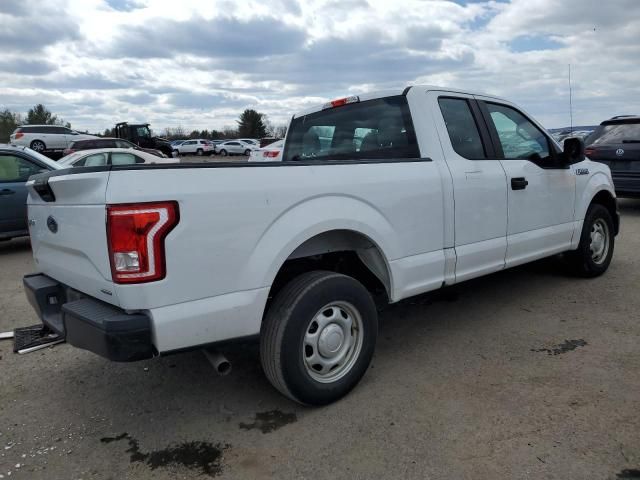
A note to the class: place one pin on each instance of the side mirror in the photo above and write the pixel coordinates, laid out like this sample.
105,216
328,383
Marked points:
573,150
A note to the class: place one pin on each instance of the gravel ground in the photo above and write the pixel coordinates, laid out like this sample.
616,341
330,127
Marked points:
527,373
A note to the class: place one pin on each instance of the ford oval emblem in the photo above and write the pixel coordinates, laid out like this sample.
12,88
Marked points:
52,225
619,152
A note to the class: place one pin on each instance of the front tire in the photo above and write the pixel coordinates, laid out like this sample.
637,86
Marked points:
318,337
223,153
38,146
594,253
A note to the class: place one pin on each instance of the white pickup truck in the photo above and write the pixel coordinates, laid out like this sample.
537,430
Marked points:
385,195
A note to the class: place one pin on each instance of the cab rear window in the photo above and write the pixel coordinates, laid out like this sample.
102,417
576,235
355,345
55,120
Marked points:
373,129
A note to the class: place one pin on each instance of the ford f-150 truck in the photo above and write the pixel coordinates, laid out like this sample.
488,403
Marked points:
378,196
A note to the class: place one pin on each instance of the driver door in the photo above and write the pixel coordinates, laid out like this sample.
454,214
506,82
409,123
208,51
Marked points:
540,191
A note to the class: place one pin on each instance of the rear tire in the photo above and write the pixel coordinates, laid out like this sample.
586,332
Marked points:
38,146
247,152
199,152
318,337
597,240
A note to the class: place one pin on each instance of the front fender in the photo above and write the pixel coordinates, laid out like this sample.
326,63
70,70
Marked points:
594,184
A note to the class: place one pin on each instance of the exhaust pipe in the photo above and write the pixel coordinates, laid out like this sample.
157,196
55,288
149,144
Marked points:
220,364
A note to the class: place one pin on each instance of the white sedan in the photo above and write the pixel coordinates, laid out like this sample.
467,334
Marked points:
111,156
235,147
270,153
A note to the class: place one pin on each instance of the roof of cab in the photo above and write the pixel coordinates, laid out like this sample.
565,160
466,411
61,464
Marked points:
397,91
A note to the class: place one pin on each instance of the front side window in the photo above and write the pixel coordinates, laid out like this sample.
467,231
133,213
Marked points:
16,169
519,137
373,129
462,128
143,131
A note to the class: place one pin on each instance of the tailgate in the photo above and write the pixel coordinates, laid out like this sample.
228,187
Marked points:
68,230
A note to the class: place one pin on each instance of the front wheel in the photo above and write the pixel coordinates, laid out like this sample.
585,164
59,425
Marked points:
594,253
223,153
318,337
175,154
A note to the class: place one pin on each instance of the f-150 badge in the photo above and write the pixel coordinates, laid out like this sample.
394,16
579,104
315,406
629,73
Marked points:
582,171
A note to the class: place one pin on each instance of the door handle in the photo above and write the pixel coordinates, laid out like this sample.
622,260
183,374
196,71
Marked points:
6,191
519,183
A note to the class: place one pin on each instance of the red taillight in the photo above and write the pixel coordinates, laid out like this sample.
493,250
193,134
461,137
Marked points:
270,153
589,151
340,102
135,234
18,135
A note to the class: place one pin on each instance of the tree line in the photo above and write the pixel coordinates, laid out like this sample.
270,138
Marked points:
251,124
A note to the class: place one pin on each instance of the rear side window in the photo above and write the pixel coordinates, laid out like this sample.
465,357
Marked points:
615,133
124,159
373,129
462,128
16,169
54,130
95,160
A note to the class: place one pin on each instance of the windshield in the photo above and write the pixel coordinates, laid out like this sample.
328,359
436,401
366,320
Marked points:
380,128
615,133
69,159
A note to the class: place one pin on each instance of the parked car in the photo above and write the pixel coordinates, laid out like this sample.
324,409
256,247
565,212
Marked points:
46,138
616,143
107,142
17,164
270,153
195,147
111,156
294,253
235,147
176,142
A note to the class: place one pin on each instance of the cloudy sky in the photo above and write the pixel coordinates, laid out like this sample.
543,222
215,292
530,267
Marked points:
199,63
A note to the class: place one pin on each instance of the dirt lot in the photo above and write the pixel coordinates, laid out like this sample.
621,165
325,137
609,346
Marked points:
528,373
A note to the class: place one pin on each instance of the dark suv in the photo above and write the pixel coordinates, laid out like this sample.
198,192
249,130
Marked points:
616,142
107,142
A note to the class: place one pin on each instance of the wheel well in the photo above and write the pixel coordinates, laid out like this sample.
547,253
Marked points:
341,251
607,200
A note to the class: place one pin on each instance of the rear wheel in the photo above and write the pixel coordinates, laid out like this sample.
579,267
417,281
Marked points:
38,146
199,152
593,255
318,337
247,152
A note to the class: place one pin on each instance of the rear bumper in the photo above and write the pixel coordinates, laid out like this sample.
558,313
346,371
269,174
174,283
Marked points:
626,185
88,323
